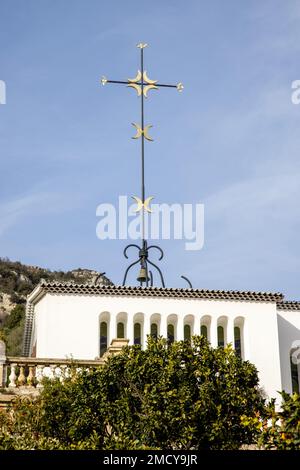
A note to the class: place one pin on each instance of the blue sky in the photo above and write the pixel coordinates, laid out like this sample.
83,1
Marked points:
231,140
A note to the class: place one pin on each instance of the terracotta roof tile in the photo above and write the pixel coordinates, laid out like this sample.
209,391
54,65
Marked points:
91,289
288,306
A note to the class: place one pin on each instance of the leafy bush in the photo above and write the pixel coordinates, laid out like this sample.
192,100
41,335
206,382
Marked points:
178,396
282,432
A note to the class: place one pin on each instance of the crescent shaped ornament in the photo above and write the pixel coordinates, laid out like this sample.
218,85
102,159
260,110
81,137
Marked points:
147,88
146,135
139,203
137,78
147,80
142,205
137,88
140,131
147,202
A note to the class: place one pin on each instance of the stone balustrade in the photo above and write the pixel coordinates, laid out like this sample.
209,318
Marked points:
29,372
21,373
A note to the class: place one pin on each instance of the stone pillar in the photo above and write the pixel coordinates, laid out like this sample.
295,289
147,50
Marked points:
197,325
112,328
130,333
146,330
163,326
230,331
2,364
214,332
180,328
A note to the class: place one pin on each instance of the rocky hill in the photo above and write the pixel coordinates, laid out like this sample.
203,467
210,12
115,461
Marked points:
16,282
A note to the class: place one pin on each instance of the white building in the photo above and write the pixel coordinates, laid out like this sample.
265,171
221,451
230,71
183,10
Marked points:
80,321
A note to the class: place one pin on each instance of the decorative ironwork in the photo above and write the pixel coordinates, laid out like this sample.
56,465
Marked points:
188,281
142,84
140,132
143,259
142,205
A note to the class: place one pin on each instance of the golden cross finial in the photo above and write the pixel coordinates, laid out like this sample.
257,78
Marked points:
142,84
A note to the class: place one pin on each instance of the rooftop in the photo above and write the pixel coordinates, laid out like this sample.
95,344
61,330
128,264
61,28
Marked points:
98,289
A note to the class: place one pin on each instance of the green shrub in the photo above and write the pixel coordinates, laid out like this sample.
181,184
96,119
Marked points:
283,429
181,396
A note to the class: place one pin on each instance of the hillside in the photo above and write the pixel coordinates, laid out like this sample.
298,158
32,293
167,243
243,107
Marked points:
16,282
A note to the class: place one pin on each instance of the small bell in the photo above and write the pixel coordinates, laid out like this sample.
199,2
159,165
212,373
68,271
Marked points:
142,277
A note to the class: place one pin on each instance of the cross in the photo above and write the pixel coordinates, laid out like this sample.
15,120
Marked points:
142,84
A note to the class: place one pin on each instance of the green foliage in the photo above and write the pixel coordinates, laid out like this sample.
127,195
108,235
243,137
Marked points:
14,339
178,396
12,330
282,432
15,317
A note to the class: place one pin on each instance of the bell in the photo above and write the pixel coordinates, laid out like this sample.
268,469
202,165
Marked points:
142,277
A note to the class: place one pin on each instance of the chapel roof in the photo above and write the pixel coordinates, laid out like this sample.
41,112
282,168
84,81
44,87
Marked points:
56,287
288,305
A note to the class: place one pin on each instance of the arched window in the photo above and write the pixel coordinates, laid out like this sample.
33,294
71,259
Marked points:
103,337
171,333
221,336
120,330
204,331
187,332
237,341
294,372
154,330
137,333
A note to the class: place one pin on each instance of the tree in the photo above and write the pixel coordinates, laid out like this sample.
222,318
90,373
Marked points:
179,396
283,430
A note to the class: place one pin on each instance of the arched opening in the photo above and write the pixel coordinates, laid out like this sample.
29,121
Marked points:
155,320
188,327
121,325
171,328
295,370
221,337
154,330
171,333
120,330
103,337
239,336
204,331
138,329
237,341
222,331
187,332
104,322
205,326
137,333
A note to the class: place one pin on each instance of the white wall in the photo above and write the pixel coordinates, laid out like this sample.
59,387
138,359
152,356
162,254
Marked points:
68,325
289,331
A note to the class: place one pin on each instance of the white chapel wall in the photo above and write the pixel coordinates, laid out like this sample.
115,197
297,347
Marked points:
289,335
69,326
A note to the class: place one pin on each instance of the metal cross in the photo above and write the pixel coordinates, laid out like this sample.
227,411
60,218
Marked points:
142,85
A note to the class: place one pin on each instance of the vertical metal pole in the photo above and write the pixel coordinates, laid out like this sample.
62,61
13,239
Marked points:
143,144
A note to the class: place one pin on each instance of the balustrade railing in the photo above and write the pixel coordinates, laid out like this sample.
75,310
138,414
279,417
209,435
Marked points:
29,372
